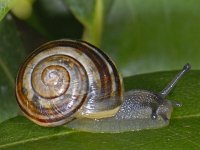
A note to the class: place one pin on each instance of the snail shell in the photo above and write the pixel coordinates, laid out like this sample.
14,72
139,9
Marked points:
73,82
65,79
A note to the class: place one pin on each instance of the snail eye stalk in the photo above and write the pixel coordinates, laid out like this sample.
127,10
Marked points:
171,85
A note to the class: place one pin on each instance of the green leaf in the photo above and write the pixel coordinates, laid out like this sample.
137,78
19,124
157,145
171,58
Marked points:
5,6
147,36
54,20
19,133
11,54
92,15
182,133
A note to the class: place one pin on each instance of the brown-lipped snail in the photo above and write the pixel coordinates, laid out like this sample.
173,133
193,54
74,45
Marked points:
74,83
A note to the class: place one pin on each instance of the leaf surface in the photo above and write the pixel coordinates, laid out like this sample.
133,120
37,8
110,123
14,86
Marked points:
92,15
5,6
11,54
147,36
183,131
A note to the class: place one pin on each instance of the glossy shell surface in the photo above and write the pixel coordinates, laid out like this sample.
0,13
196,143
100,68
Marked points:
64,79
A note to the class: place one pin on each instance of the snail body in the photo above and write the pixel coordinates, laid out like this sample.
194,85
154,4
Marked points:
74,83
133,115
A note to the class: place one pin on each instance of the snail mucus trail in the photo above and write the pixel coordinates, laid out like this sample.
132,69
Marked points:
74,83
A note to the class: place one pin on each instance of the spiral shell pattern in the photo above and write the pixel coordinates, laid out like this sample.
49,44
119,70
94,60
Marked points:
65,79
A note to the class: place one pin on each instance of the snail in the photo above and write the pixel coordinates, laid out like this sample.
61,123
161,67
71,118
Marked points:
74,83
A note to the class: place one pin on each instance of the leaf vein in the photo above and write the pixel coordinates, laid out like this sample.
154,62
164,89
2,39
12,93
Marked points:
7,72
36,139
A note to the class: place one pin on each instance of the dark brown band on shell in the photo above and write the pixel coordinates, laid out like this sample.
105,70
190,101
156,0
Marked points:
104,85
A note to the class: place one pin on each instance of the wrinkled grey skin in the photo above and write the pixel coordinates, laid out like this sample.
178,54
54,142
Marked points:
140,110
